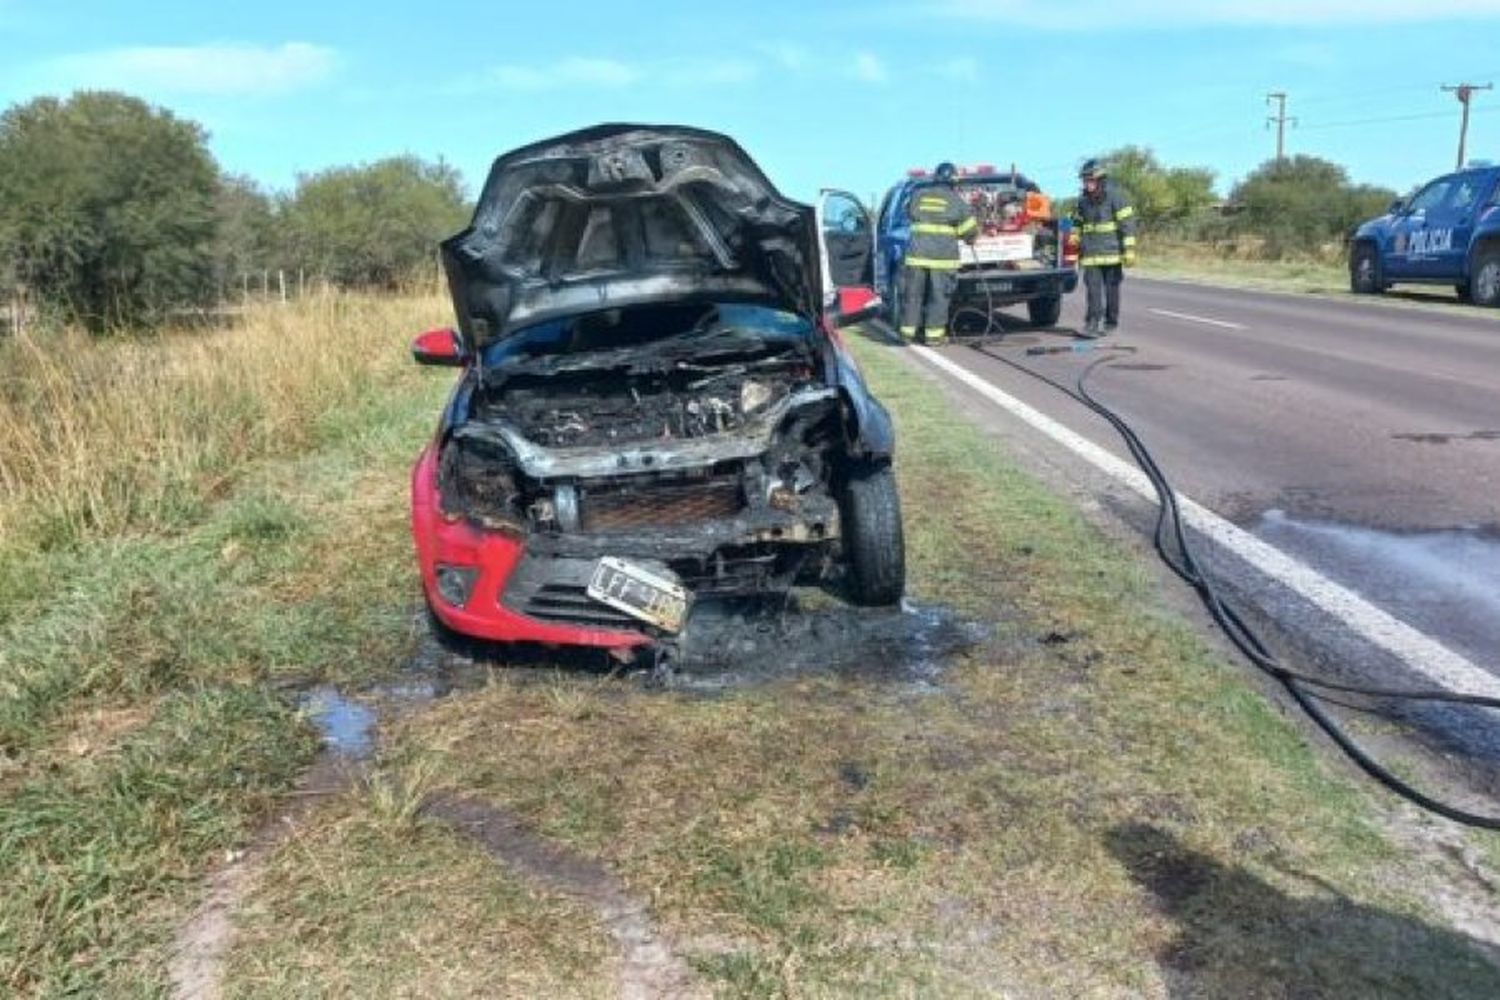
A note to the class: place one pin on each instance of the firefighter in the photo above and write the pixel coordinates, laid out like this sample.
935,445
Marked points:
1105,223
939,219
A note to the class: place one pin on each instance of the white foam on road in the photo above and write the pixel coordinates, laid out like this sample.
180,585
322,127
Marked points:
1198,319
1420,652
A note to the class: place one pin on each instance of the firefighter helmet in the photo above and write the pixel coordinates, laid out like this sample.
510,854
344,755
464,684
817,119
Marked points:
946,173
1092,170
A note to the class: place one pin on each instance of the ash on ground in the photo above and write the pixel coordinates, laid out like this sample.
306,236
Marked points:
726,643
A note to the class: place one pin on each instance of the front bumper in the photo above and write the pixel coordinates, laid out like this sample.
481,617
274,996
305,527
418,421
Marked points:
535,589
496,555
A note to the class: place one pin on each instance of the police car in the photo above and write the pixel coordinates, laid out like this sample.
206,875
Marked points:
1447,233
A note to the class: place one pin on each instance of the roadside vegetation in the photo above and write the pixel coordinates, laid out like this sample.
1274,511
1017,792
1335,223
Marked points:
114,216
1092,802
189,525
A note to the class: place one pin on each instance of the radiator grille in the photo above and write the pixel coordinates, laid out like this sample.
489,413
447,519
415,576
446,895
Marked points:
625,508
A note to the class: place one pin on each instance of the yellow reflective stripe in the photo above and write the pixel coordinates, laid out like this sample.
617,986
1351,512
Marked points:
1129,242
908,331
933,264
1098,227
1124,213
934,228
1100,260
966,226
929,199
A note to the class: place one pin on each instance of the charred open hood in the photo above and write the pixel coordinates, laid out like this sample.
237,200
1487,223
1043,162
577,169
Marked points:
622,215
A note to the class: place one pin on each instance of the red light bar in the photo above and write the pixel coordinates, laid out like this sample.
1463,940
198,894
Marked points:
916,172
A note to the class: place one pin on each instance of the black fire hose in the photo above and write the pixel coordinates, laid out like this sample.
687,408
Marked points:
1305,689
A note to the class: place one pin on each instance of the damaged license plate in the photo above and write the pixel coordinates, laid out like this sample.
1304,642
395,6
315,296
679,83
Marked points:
639,593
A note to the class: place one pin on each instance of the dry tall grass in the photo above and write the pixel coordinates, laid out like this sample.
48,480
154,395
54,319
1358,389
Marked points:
99,437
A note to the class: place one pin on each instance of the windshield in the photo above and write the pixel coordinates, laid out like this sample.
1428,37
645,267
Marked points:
672,330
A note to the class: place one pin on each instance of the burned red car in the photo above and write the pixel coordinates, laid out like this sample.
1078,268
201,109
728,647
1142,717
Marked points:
655,408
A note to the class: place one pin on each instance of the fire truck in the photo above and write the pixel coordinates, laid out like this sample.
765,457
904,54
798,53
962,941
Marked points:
1024,253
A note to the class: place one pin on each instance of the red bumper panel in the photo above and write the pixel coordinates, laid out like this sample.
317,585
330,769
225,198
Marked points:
496,555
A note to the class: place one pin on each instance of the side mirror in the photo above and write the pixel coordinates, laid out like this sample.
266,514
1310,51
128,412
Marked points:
1397,207
853,305
439,347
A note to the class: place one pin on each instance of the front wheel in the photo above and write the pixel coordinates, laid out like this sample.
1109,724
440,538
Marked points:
1044,311
1484,286
874,544
1364,271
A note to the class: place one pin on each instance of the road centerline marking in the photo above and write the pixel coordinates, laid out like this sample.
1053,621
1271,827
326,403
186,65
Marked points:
1189,317
1420,652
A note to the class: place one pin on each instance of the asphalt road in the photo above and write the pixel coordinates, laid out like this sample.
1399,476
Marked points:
1363,439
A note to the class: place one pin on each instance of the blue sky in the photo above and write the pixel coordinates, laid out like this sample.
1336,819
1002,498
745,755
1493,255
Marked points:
822,94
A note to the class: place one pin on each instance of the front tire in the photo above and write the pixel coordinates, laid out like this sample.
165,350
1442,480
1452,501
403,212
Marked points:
1044,311
1484,287
874,544
1364,271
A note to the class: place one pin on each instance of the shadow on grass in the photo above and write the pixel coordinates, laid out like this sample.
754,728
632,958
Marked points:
1238,935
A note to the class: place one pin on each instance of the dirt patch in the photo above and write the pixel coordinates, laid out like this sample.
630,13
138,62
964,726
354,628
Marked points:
196,965
649,966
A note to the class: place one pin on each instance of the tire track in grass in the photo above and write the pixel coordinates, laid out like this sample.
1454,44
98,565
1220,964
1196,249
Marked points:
649,966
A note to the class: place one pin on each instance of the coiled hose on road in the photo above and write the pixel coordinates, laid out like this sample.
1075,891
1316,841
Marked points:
1171,543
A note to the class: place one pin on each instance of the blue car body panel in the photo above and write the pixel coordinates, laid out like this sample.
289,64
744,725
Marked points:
1434,236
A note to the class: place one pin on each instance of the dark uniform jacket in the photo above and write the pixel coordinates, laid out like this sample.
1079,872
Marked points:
939,219
1105,227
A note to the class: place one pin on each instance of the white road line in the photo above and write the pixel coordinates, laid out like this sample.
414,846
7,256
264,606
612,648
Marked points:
1419,651
1198,319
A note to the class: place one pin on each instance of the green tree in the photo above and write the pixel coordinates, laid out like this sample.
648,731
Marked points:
106,207
248,239
1161,195
1303,203
374,225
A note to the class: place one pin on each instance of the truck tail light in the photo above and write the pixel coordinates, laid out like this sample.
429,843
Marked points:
1070,249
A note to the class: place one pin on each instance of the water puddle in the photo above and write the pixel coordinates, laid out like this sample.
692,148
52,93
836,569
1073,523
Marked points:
1444,583
346,725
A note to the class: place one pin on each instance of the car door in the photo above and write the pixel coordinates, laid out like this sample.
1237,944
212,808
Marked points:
1450,226
847,236
1413,235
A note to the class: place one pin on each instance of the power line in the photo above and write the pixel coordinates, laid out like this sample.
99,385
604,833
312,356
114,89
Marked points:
1418,116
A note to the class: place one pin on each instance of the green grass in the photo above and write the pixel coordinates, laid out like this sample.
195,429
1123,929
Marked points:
144,650
1203,264
390,907
1115,814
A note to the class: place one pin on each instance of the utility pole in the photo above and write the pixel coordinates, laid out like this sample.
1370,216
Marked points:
1279,119
1465,93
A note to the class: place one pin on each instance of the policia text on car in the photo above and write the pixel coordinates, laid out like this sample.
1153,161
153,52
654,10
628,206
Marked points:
939,219
1105,223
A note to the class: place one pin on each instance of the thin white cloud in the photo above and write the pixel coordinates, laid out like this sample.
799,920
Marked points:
1085,15
787,55
963,69
709,72
869,68
613,74
574,71
219,69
